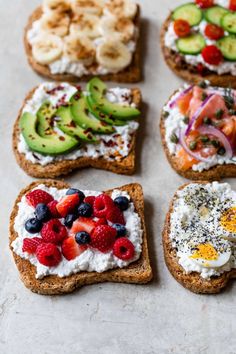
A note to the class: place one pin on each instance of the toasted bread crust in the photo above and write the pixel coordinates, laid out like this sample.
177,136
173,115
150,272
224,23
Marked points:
138,272
131,74
225,80
193,281
214,173
124,166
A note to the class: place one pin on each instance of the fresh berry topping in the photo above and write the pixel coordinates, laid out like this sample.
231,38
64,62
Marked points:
82,238
83,224
115,216
103,238
48,254
101,221
90,200
181,28
101,205
123,249
33,226
120,229
38,196
213,32
42,212
122,203
52,206
204,4
232,5
53,231
74,191
212,55
30,244
85,210
69,219
67,204
71,249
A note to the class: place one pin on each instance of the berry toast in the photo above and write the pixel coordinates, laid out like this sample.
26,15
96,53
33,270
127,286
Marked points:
71,40
62,238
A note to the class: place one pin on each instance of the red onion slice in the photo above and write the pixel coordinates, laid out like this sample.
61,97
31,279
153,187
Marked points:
182,94
195,155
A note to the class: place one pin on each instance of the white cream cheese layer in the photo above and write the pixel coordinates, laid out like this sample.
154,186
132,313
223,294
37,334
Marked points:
192,225
91,259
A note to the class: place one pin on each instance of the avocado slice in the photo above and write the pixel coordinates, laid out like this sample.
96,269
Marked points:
45,116
54,144
97,90
80,112
66,123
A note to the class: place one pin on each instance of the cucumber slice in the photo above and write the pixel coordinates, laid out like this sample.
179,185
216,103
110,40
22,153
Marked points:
228,22
215,14
191,45
227,45
189,12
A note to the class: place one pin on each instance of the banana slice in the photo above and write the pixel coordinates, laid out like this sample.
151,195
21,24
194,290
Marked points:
79,48
121,8
87,25
122,29
55,23
47,48
60,6
93,7
113,55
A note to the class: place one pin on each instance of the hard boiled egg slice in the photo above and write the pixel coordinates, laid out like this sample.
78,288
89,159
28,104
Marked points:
209,256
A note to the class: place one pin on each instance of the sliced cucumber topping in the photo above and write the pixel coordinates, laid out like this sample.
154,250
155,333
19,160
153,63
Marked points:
215,14
228,22
227,45
191,45
188,12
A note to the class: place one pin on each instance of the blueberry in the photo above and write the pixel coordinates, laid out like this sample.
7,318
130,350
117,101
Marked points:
33,226
121,230
42,212
85,209
82,238
73,191
69,219
122,203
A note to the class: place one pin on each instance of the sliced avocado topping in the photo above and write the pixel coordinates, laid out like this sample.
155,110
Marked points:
97,90
45,117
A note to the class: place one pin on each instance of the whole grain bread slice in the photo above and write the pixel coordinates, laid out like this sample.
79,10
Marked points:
214,173
192,281
130,74
138,272
125,165
187,71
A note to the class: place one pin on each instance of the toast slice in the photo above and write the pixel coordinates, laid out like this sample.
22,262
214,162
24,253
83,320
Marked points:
130,74
138,272
193,281
186,71
126,165
214,173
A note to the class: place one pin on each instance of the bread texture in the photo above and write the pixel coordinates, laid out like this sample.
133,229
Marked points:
130,74
188,72
193,281
125,165
214,173
138,272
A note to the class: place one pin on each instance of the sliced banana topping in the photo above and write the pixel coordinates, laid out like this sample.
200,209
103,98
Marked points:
47,48
93,7
79,48
55,23
122,29
121,8
60,6
113,55
87,25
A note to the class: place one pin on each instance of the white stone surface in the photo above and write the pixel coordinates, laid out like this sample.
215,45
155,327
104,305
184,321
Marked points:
159,318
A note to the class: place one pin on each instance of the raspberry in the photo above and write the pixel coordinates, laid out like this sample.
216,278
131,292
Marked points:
101,205
123,249
67,204
90,200
101,221
52,206
48,254
103,238
53,231
30,244
38,196
115,216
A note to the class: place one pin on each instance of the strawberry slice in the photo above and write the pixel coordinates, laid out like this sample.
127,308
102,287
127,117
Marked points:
67,204
83,224
37,196
71,249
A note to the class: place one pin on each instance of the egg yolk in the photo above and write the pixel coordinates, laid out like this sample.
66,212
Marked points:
228,220
206,252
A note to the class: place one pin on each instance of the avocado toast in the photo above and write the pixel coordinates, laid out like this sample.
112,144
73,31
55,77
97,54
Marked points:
96,127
